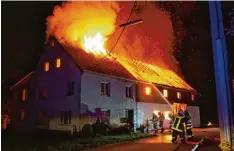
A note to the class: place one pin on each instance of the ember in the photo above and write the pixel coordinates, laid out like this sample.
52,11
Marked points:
88,25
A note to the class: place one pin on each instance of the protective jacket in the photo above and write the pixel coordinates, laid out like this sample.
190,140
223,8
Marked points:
178,123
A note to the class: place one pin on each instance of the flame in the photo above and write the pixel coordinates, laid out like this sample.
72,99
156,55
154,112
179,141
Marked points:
90,25
95,44
84,25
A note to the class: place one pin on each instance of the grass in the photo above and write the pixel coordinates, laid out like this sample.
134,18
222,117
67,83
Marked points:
55,143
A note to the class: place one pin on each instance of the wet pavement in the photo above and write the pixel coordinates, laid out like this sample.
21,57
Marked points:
162,142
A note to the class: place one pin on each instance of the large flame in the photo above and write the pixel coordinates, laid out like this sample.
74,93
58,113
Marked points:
83,24
95,44
92,27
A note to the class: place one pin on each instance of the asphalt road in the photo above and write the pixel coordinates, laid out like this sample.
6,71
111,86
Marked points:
162,142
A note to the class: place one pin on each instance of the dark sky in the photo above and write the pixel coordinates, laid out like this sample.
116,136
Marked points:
23,36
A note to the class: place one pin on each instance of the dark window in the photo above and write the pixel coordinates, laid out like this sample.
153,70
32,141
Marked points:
105,88
66,117
22,114
105,118
70,89
129,91
45,93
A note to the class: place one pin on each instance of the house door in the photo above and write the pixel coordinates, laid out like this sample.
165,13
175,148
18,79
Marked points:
130,116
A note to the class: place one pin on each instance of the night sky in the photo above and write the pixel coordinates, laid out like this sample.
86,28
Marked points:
23,36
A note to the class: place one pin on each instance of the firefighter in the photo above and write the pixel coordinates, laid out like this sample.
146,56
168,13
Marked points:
155,122
171,121
178,127
188,124
161,121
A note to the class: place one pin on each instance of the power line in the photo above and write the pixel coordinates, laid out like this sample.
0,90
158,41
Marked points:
123,29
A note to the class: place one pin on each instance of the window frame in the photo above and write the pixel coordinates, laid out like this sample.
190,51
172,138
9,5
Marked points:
129,91
178,95
46,66
66,117
148,88
24,94
70,88
105,88
165,93
58,62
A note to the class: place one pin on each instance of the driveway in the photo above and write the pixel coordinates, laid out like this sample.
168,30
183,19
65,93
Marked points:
162,142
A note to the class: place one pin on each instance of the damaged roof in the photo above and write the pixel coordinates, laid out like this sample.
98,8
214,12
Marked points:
127,68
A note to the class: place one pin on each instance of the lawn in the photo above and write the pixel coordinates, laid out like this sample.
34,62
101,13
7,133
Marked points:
54,143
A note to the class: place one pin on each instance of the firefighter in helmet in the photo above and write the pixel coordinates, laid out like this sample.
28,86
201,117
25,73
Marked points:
178,127
171,121
155,122
161,121
188,124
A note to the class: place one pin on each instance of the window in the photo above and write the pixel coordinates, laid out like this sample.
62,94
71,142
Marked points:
105,117
39,116
165,93
24,95
105,88
46,66
22,115
58,63
65,117
70,88
192,97
178,95
129,91
148,90
45,93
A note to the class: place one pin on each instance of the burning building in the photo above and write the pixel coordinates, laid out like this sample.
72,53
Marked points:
77,79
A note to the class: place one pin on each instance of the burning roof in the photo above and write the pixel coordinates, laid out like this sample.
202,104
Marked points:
86,29
127,68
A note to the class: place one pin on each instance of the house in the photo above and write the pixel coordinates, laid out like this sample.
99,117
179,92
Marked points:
70,88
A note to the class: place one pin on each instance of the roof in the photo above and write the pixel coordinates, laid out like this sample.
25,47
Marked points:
127,68
23,81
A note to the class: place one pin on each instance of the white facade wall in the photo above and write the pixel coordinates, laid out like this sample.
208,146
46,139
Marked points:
91,97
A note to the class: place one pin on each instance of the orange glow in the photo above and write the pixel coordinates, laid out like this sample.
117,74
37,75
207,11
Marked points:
24,95
84,24
165,93
178,95
148,90
178,106
192,97
58,63
91,25
209,124
46,66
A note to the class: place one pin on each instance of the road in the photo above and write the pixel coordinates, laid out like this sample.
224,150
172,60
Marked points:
162,142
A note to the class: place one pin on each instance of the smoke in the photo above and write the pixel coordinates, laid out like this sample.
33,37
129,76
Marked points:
74,20
150,41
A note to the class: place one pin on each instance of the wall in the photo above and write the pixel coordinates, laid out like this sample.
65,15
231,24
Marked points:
145,110
56,82
91,97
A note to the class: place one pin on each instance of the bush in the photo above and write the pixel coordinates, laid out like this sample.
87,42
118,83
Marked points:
141,128
122,130
87,130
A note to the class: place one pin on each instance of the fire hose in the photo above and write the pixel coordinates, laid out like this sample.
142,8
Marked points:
197,145
194,148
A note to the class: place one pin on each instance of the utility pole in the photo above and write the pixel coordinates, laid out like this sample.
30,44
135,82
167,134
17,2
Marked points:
222,76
